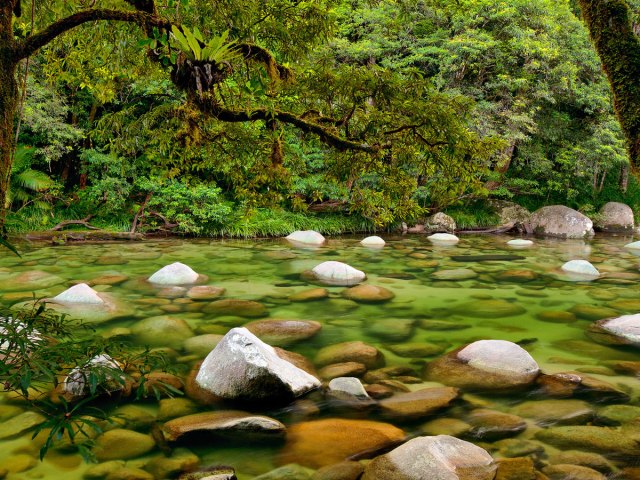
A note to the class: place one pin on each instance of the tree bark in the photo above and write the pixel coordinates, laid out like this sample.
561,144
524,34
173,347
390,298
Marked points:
618,47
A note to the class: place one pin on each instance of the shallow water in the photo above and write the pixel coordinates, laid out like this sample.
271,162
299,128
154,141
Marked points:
268,271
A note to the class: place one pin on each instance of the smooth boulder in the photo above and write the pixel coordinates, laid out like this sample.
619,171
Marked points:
443,238
520,243
485,365
441,222
624,330
175,274
306,237
338,274
77,382
80,293
283,332
440,457
580,269
243,367
560,221
615,217
373,241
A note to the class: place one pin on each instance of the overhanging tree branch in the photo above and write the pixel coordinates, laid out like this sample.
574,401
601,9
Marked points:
33,43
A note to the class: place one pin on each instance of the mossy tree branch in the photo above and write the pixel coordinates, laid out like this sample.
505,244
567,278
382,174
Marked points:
618,47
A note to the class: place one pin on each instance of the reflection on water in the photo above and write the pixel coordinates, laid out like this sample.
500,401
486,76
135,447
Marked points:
445,296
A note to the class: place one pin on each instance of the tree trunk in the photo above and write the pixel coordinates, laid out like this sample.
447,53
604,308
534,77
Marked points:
8,102
618,47
624,177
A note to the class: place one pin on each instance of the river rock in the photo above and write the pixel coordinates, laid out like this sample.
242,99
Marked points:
556,316
496,308
225,423
310,295
455,274
441,222
485,365
624,330
283,332
443,239
516,276
80,293
75,384
236,307
592,312
417,350
491,425
162,331
615,217
122,444
520,243
373,241
175,274
584,459
347,388
337,273
570,472
201,345
347,470
324,442
243,367
368,294
609,441
356,351
29,281
205,292
181,460
292,471
306,237
633,245
418,404
20,424
435,458
560,221
581,268
345,369
552,412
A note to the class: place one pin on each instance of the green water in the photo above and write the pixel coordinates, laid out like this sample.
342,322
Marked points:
268,271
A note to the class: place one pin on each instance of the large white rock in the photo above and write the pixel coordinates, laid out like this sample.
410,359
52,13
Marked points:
337,273
501,357
520,243
307,237
243,367
626,326
81,293
348,386
633,245
561,221
8,327
580,267
440,457
443,238
373,241
175,274
77,381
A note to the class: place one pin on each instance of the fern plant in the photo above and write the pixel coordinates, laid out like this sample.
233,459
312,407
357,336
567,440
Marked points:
26,182
215,51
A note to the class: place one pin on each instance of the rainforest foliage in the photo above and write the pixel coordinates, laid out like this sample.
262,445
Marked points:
255,118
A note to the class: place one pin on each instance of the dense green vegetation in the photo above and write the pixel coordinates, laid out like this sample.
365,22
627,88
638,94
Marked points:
337,115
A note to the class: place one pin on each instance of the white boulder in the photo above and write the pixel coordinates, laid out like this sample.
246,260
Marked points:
500,357
81,293
443,238
175,274
306,237
520,243
348,386
77,382
243,367
560,221
373,241
337,273
440,457
581,268
633,245
626,327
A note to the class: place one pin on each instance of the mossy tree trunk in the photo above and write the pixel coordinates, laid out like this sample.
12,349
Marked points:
618,47
8,99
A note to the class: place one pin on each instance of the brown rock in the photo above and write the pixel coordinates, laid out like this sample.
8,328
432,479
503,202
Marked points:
571,472
310,295
236,307
367,293
346,369
339,471
205,292
325,442
418,404
492,425
283,332
520,468
356,351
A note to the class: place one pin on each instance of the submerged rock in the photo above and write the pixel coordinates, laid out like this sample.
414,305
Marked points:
77,382
624,330
610,441
496,308
243,367
368,294
418,404
175,274
236,307
162,331
337,273
373,241
225,423
485,365
324,442
29,281
356,351
345,387
443,238
283,332
492,425
520,243
561,221
122,444
615,217
306,237
310,295
435,458
205,292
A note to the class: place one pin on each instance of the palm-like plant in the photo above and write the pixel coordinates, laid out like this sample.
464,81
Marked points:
27,183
